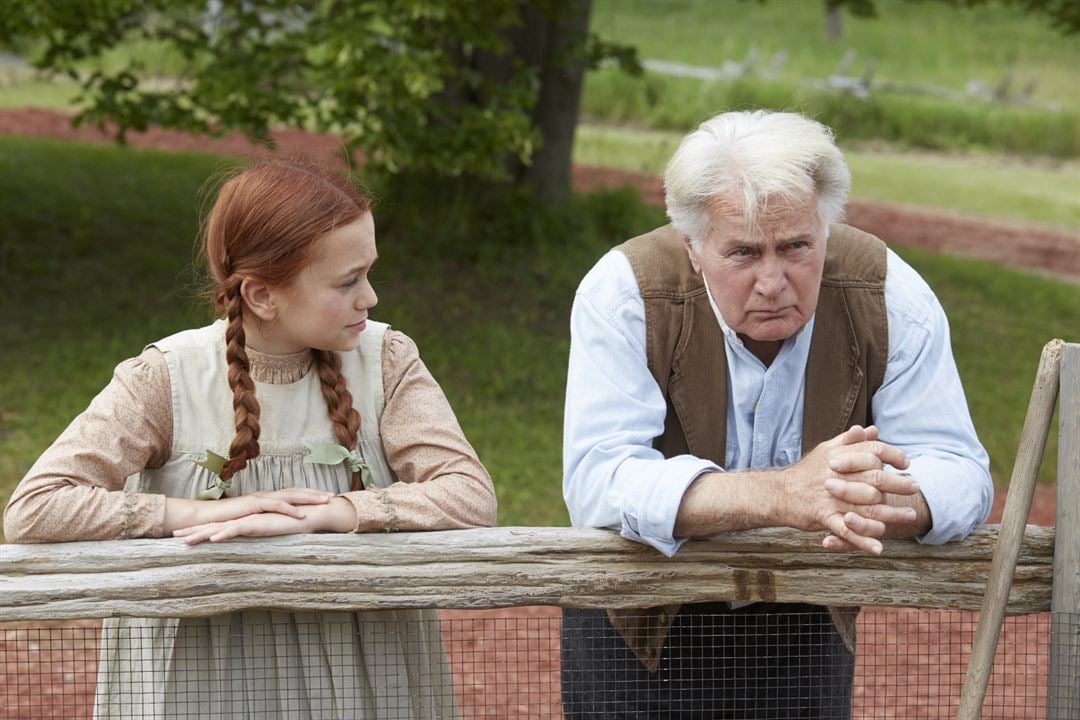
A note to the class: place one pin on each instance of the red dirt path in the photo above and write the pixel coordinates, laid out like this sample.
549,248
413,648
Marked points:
488,648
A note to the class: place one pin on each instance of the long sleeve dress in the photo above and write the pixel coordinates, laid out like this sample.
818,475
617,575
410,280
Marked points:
108,474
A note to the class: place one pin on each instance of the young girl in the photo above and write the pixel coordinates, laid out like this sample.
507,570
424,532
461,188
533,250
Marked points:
295,413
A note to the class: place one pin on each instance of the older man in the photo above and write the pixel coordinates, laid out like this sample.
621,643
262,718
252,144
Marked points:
754,364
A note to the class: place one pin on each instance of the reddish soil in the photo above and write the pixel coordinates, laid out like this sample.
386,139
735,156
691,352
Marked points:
505,662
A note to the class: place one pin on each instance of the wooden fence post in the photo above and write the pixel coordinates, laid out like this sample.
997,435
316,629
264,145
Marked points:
1025,473
1063,699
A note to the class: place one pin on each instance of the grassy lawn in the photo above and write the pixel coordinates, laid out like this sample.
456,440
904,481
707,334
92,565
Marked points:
96,261
54,95
994,186
924,55
927,42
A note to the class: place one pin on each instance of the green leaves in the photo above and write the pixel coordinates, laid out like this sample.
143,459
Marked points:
395,79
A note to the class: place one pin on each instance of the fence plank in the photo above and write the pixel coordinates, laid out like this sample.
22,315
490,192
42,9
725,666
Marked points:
499,567
1025,473
1063,693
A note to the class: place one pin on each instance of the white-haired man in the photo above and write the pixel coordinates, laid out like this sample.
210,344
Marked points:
754,364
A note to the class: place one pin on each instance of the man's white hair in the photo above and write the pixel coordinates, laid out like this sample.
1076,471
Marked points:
744,161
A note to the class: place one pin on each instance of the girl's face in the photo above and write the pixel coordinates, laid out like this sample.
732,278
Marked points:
326,305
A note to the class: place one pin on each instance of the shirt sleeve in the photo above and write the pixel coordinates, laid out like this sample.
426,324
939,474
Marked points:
921,409
442,484
612,475
75,490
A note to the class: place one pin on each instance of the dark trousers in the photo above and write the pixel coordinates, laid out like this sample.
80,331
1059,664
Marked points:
765,661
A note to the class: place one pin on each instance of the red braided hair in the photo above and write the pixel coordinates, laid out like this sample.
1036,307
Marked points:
262,226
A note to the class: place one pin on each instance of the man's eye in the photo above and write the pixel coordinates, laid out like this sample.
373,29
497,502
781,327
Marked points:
742,252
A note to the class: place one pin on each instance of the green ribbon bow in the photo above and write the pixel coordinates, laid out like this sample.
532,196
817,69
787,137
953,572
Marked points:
331,454
215,464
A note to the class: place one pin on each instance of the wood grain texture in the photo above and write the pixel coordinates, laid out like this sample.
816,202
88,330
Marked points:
1025,473
1063,700
499,567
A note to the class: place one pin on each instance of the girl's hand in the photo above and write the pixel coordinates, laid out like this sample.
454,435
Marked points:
336,516
267,524
285,502
180,513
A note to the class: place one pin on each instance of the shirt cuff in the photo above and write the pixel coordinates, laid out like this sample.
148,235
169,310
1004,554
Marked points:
374,510
649,516
958,495
144,515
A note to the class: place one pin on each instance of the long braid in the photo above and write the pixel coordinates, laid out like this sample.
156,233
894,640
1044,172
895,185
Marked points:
338,402
263,226
245,444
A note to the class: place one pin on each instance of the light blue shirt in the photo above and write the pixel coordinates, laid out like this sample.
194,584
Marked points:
613,477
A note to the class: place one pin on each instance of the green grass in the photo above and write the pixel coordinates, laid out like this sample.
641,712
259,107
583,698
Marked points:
992,186
929,43
911,42
31,93
96,260
672,103
1000,319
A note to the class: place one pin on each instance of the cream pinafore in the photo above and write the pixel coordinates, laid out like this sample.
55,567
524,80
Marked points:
262,663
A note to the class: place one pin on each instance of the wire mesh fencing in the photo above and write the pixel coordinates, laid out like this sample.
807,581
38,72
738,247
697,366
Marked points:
528,662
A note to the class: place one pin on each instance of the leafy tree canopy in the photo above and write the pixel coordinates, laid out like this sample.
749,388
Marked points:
397,78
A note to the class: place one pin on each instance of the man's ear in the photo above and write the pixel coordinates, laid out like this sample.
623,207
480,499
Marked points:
258,298
691,253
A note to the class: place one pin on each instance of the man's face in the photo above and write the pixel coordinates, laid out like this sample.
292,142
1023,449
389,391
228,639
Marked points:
765,279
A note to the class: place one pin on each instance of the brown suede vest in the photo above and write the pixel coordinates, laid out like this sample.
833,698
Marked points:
685,351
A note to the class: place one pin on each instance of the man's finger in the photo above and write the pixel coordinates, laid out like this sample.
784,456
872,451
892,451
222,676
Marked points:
836,525
856,493
864,526
883,482
835,544
854,434
888,514
888,454
849,461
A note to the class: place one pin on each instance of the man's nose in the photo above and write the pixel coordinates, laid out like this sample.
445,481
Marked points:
771,277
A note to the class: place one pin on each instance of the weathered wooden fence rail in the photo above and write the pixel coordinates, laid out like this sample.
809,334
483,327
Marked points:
500,567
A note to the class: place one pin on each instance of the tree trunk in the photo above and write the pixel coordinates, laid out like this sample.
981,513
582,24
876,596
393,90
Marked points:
556,114
549,42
